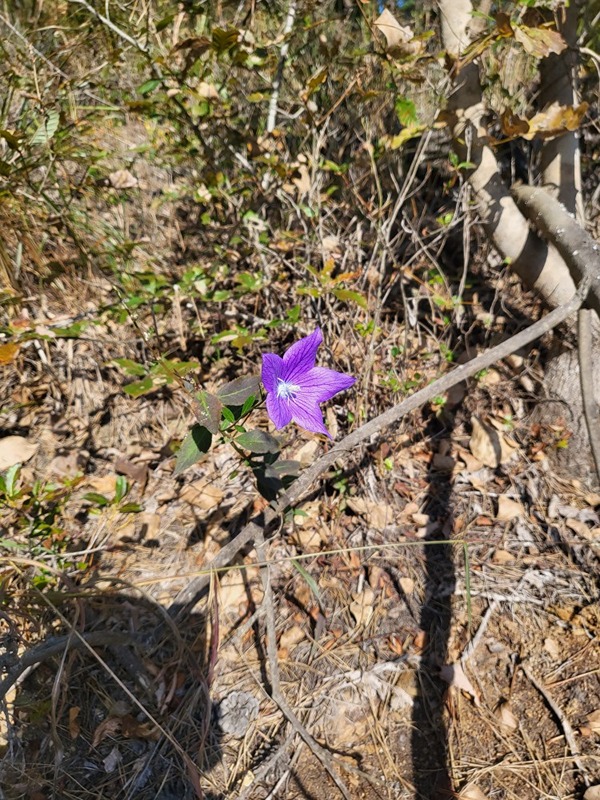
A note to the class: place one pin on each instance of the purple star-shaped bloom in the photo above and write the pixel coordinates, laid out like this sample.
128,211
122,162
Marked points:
295,387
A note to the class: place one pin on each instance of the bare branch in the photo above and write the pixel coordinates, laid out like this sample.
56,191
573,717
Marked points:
579,251
188,597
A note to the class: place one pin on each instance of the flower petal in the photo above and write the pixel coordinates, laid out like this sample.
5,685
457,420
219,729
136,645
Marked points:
272,368
279,411
307,414
300,357
322,383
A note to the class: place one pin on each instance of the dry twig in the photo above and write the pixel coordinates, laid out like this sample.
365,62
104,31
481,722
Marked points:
566,725
188,597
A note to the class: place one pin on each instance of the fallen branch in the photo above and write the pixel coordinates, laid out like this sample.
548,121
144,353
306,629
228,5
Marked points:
188,597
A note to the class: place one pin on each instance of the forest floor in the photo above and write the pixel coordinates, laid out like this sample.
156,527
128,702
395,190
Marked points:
436,596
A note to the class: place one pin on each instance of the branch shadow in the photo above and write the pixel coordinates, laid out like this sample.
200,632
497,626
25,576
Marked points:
429,736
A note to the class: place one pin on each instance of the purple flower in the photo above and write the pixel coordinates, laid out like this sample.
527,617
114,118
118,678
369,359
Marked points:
295,387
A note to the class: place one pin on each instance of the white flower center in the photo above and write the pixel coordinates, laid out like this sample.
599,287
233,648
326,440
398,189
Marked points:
286,390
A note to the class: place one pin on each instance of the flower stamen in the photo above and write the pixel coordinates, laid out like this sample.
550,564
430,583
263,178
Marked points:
286,390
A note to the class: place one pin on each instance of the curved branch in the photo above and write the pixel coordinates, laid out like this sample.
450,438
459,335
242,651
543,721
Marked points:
188,597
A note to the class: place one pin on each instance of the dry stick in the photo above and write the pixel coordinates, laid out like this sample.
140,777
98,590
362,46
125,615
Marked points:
566,725
187,598
276,693
591,412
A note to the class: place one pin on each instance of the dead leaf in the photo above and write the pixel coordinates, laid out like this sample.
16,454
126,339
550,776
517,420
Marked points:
112,760
108,727
15,450
207,91
362,607
8,352
407,585
592,793
505,716
122,179
289,639
307,453
581,529
103,484
376,514
472,792
539,42
202,495
502,557
551,647
508,509
553,121
488,445
74,727
455,676
137,472
400,39
593,721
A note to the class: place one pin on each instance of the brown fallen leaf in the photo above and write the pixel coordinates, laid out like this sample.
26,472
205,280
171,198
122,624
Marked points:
505,716
74,727
539,42
455,676
508,509
593,721
488,445
202,495
472,792
15,450
376,514
122,179
362,606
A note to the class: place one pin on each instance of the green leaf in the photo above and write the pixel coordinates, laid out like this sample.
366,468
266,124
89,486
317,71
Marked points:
138,388
235,393
47,129
149,86
94,497
350,296
10,479
121,488
130,508
406,111
283,469
193,447
207,408
248,404
258,442
130,367
310,581
228,415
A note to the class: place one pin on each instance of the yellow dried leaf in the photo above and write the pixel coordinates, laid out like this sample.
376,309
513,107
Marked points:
555,120
8,352
539,42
